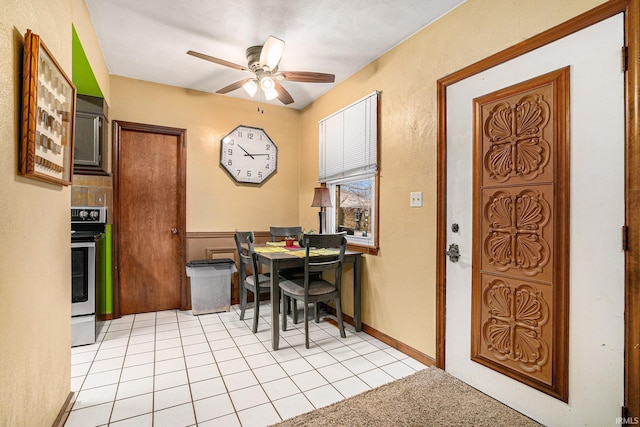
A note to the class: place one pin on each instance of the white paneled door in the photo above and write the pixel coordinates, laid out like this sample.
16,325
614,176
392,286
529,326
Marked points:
596,215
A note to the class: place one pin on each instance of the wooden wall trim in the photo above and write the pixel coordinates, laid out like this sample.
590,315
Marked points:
600,13
223,234
381,336
632,220
441,226
65,410
217,244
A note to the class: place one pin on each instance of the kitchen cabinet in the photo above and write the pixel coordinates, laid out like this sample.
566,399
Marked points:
91,136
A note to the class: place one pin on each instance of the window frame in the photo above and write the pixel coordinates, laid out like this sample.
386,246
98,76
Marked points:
366,245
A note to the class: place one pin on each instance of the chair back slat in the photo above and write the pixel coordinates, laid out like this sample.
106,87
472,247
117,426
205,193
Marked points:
249,259
318,264
279,233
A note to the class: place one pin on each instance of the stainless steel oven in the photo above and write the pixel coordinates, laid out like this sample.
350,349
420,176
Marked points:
87,227
83,278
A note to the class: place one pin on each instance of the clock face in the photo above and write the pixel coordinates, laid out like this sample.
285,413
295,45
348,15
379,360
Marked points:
248,155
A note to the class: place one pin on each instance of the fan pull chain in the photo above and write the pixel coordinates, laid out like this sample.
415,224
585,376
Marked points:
260,102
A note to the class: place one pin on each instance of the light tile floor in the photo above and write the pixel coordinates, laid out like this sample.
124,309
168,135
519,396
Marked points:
174,369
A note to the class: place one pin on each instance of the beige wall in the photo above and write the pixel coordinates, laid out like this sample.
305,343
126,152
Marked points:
399,296
214,201
35,330
399,287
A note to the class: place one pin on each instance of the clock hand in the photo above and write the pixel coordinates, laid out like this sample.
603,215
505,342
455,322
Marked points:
246,152
266,154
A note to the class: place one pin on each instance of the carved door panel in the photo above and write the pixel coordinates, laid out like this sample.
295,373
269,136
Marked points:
521,233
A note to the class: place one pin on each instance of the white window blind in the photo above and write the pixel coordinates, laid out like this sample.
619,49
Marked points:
349,141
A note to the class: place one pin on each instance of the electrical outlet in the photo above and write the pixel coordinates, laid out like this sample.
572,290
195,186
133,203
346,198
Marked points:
415,200
99,198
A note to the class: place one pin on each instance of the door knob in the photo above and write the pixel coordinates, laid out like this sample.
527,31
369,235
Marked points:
174,231
453,253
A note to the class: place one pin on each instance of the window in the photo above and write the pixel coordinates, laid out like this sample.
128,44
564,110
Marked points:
354,210
348,166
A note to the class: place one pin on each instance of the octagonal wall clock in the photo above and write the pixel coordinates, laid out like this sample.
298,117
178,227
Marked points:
248,155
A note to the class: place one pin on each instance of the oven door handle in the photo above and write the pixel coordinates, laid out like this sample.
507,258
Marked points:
83,245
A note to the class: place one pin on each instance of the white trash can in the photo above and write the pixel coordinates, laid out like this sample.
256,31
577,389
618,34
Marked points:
210,285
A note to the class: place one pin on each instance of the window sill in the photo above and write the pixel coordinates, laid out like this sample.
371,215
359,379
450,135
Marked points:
369,250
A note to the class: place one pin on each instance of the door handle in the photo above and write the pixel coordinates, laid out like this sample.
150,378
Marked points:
453,253
174,231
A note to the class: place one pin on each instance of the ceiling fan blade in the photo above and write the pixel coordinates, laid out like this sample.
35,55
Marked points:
283,95
217,60
308,77
233,86
271,52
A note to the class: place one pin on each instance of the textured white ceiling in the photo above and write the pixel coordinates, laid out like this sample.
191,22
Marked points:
148,39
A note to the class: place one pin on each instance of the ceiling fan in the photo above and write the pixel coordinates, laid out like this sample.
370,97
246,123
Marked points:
262,65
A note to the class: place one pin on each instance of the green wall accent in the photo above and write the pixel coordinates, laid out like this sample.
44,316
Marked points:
81,72
108,266
104,285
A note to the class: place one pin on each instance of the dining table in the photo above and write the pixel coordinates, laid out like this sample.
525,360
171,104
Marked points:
276,256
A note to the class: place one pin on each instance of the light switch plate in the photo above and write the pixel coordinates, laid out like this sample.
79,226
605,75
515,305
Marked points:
415,199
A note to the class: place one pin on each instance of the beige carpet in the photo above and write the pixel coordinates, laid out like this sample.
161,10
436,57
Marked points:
430,397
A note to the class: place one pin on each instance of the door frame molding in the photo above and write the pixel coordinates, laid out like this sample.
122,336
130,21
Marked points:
181,134
631,10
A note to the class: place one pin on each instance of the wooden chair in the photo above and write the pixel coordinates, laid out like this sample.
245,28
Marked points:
312,288
278,234
250,278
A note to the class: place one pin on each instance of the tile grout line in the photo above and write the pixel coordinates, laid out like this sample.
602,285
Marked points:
155,349
115,398
245,360
193,401
113,404
288,376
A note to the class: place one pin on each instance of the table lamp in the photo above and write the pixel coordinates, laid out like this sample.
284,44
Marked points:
321,199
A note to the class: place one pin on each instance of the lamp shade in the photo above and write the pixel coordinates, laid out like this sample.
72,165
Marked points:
251,87
321,198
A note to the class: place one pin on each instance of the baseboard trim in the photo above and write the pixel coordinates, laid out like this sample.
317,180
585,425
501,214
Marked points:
61,419
105,316
390,341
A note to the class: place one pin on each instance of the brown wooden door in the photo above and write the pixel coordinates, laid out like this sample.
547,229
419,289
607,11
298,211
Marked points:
149,202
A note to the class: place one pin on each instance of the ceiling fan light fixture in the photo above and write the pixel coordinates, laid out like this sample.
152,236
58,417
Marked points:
263,67
270,94
251,87
267,84
271,53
